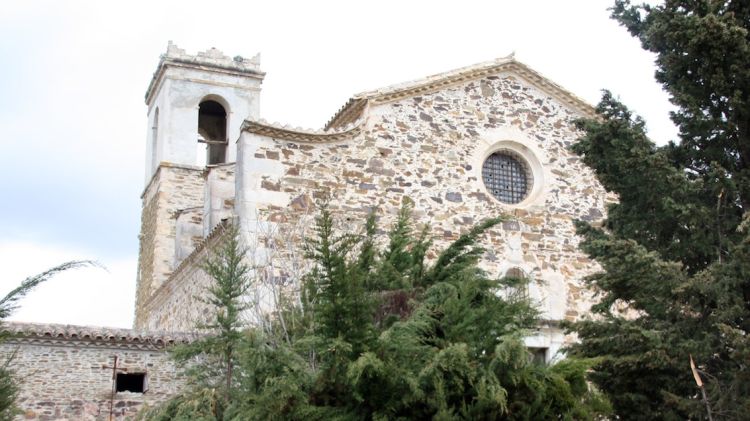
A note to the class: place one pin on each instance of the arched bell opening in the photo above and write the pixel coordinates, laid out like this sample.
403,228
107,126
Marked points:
212,131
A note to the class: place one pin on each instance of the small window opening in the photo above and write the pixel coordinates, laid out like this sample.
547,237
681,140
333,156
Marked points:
212,131
538,355
517,285
515,272
131,382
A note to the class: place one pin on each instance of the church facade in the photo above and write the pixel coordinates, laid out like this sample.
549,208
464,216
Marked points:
473,143
477,142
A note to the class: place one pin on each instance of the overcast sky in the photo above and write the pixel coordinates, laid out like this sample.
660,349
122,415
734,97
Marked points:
74,74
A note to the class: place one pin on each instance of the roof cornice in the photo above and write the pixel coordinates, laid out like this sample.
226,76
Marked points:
92,337
348,121
296,134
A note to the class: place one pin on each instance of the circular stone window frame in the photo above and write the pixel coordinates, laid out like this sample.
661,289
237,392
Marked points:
533,164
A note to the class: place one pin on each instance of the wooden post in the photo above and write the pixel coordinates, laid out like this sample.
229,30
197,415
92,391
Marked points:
699,382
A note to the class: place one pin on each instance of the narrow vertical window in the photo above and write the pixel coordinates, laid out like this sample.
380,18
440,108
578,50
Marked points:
154,139
212,131
517,285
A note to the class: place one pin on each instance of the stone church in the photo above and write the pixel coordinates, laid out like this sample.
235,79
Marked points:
472,143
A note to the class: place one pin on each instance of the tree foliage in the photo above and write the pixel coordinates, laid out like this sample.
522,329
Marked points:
382,333
8,385
675,248
210,361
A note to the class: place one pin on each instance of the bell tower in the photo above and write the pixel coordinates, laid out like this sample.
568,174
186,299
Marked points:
196,106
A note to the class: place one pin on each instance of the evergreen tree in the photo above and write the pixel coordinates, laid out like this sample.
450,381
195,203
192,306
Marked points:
452,351
384,334
210,361
675,249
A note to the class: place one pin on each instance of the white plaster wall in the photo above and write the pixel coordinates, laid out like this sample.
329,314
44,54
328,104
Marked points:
219,196
178,99
151,159
251,171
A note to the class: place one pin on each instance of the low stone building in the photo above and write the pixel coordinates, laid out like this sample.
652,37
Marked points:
473,143
87,373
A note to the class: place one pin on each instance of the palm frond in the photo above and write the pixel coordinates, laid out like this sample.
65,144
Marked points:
10,302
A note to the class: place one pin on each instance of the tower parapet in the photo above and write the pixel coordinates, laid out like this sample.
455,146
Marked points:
211,58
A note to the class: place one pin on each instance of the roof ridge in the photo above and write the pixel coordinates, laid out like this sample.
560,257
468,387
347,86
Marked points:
96,335
437,76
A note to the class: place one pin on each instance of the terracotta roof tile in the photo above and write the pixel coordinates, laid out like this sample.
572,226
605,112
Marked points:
95,336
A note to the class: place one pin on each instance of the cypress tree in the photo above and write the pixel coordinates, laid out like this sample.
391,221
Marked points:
675,248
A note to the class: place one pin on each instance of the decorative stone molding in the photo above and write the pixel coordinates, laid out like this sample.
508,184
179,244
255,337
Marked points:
536,171
296,134
349,112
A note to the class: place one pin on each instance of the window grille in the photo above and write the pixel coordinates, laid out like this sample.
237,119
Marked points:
505,175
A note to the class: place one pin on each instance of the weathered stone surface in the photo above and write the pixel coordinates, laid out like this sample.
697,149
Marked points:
425,150
430,149
64,373
270,185
173,189
302,203
453,197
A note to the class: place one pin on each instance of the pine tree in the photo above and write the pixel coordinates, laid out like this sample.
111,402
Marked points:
210,361
674,249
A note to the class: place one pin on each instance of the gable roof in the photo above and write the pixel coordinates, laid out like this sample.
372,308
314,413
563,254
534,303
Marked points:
352,110
346,123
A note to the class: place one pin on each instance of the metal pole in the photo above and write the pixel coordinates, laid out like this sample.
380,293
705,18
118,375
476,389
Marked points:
114,386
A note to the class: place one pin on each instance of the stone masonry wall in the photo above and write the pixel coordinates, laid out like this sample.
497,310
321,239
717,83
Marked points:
174,306
430,149
173,188
65,379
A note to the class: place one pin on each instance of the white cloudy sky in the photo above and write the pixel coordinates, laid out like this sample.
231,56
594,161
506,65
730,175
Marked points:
73,75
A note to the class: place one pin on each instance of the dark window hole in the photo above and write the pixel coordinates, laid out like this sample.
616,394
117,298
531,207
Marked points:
131,382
